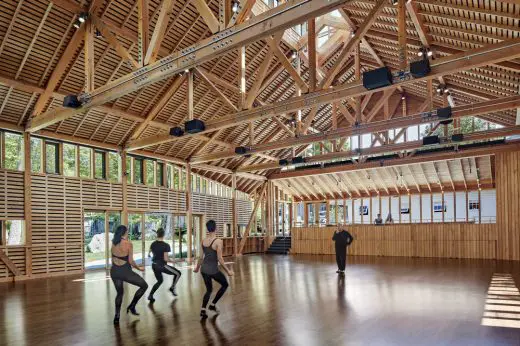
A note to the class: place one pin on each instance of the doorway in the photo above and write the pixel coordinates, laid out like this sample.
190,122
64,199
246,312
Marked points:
98,231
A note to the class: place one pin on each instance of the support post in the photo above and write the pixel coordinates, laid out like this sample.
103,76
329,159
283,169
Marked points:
124,185
242,77
234,213
27,203
190,95
401,23
251,220
189,220
142,20
89,56
311,43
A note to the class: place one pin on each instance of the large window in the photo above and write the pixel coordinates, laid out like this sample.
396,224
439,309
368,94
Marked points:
85,162
69,160
13,146
12,232
36,155
159,174
52,158
149,172
128,172
114,167
169,176
138,171
100,165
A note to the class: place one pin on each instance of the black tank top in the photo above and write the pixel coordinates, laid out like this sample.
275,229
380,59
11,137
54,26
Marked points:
210,263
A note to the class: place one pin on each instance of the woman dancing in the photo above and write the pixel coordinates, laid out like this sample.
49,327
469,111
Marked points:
208,264
160,250
121,271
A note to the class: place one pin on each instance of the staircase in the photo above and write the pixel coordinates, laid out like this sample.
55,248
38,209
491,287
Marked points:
281,245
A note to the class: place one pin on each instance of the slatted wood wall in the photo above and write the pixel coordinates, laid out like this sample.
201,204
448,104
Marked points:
507,167
455,240
12,207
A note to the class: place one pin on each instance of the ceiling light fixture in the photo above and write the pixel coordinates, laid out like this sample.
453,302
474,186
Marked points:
235,7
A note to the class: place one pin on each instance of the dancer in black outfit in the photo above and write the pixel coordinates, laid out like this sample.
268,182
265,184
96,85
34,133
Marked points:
160,251
342,238
208,264
121,271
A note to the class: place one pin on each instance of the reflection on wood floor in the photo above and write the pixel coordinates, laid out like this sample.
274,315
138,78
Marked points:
273,300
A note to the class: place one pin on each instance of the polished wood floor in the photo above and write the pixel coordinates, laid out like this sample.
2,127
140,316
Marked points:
273,300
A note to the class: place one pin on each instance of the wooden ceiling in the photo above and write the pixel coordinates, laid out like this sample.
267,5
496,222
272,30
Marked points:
35,34
471,173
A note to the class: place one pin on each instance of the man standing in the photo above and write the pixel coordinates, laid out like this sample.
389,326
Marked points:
342,238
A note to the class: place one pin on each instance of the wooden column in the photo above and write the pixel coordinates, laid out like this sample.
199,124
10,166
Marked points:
454,206
352,211
27,202
327,212
370,219
142,29
420,207
190,95
189,220
431,207
479,207
467,206
242,77
311,43
362,211
234,213
225,13
401,20
345,216
399,210
306,214
442,205
357,72
124,186
60,158
89,55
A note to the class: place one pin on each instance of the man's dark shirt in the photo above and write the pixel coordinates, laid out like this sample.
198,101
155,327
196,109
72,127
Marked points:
342,240
158,249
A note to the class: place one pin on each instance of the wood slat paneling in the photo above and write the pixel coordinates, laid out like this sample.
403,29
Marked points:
455,240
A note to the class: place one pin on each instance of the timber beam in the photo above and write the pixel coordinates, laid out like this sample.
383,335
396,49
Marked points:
277,19
448,65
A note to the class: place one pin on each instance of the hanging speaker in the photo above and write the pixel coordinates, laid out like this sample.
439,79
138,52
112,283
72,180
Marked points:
457,137
194,126
283,162
176,131
71,101
240,150
430,140
377,78
297,160
444,113
420,68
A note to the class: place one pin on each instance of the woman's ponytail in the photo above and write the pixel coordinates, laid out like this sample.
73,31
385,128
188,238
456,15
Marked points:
118,235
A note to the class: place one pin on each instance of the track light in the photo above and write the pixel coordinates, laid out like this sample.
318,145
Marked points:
395,2
353,33
186,71
430,53
77,24
98,34
82,17
420,53
294,54
403,97
235,7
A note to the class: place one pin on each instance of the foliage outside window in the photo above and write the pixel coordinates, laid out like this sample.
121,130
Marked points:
36,155
138,171
69,160
14,232
204,188
128,170
51,158
159,174
183,180
114,167
176,179
149,172
85,162
100,164
169,176
13,146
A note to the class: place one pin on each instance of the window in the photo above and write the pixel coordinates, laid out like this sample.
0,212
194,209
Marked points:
138,171
12,232
85,162
149,172
13,147
114,165
51,158
169,176
176,179
159,175
128,172
183,180
36,155
69,160
100,165
204,188
474,205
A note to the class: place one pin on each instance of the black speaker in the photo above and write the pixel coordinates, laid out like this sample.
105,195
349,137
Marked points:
457,137
283,162
298,159
240,150
176,131
420,68
194,126
444,113
71,101
377,78
429,140
446,122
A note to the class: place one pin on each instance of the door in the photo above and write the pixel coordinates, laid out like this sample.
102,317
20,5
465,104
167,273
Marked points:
98,231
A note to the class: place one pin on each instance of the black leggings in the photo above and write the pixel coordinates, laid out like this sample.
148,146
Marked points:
221,279
158,270
124,273
341,259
